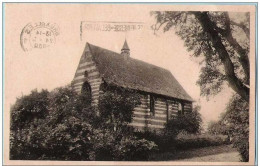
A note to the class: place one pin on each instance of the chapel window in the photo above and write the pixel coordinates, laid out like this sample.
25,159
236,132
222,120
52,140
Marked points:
152,111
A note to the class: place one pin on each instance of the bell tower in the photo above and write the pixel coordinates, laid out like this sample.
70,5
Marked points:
125,51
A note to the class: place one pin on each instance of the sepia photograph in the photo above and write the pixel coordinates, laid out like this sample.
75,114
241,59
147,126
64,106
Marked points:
129,83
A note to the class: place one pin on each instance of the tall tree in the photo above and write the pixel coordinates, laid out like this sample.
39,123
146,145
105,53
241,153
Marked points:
217,38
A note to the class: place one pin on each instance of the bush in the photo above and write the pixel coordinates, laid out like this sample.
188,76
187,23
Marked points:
235,124
114,139
133,149
26,114
215,127
116,105
183,141
189,122
104,141
164,140
62,125
192,141
61,132
113,146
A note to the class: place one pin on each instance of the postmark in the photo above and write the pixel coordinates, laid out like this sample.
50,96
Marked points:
107,26
38,35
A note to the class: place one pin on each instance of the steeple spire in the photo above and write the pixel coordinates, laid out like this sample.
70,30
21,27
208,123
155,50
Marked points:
125,46
125,51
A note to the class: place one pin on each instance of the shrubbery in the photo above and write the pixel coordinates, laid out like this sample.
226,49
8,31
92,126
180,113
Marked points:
189,122
120,146
164,140
27,114
60,133
116,105
192,141
132,148
235,124
61,125
183,141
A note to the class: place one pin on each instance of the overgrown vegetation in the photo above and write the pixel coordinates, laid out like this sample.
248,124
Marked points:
189,125
116,105
189,122
235,124
193,141
61,125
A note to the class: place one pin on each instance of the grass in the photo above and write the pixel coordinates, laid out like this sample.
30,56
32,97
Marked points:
193,141
212,151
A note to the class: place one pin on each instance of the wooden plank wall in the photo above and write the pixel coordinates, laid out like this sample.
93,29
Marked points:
187,107
93,78
144,119
160,113
173,108
141,114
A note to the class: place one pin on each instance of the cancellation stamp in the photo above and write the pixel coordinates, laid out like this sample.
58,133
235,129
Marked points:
106,26
38,35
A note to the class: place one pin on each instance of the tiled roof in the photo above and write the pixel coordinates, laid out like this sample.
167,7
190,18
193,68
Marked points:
135,74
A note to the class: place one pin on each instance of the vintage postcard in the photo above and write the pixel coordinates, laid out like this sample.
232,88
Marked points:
129,84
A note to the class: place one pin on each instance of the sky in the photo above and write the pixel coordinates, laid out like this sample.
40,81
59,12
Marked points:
55,66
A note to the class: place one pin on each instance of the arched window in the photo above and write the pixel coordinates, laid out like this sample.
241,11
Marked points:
86,90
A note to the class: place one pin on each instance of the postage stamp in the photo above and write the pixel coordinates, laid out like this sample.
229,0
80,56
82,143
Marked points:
38,35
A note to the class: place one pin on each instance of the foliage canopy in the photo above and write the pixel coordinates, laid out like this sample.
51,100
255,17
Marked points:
221,41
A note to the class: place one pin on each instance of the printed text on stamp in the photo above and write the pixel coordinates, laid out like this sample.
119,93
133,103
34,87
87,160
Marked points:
38,35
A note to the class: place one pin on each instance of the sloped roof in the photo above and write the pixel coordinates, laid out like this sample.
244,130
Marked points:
136,74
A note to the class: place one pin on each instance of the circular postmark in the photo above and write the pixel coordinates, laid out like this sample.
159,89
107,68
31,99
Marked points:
38,35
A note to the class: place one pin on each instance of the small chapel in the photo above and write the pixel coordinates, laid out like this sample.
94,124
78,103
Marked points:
162,96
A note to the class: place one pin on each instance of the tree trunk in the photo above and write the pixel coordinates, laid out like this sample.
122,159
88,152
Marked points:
243,58
232,79
243,53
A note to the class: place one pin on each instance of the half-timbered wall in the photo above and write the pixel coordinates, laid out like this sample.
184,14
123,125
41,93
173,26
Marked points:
87,71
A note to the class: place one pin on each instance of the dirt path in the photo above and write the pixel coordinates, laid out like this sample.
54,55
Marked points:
223,157
223,153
